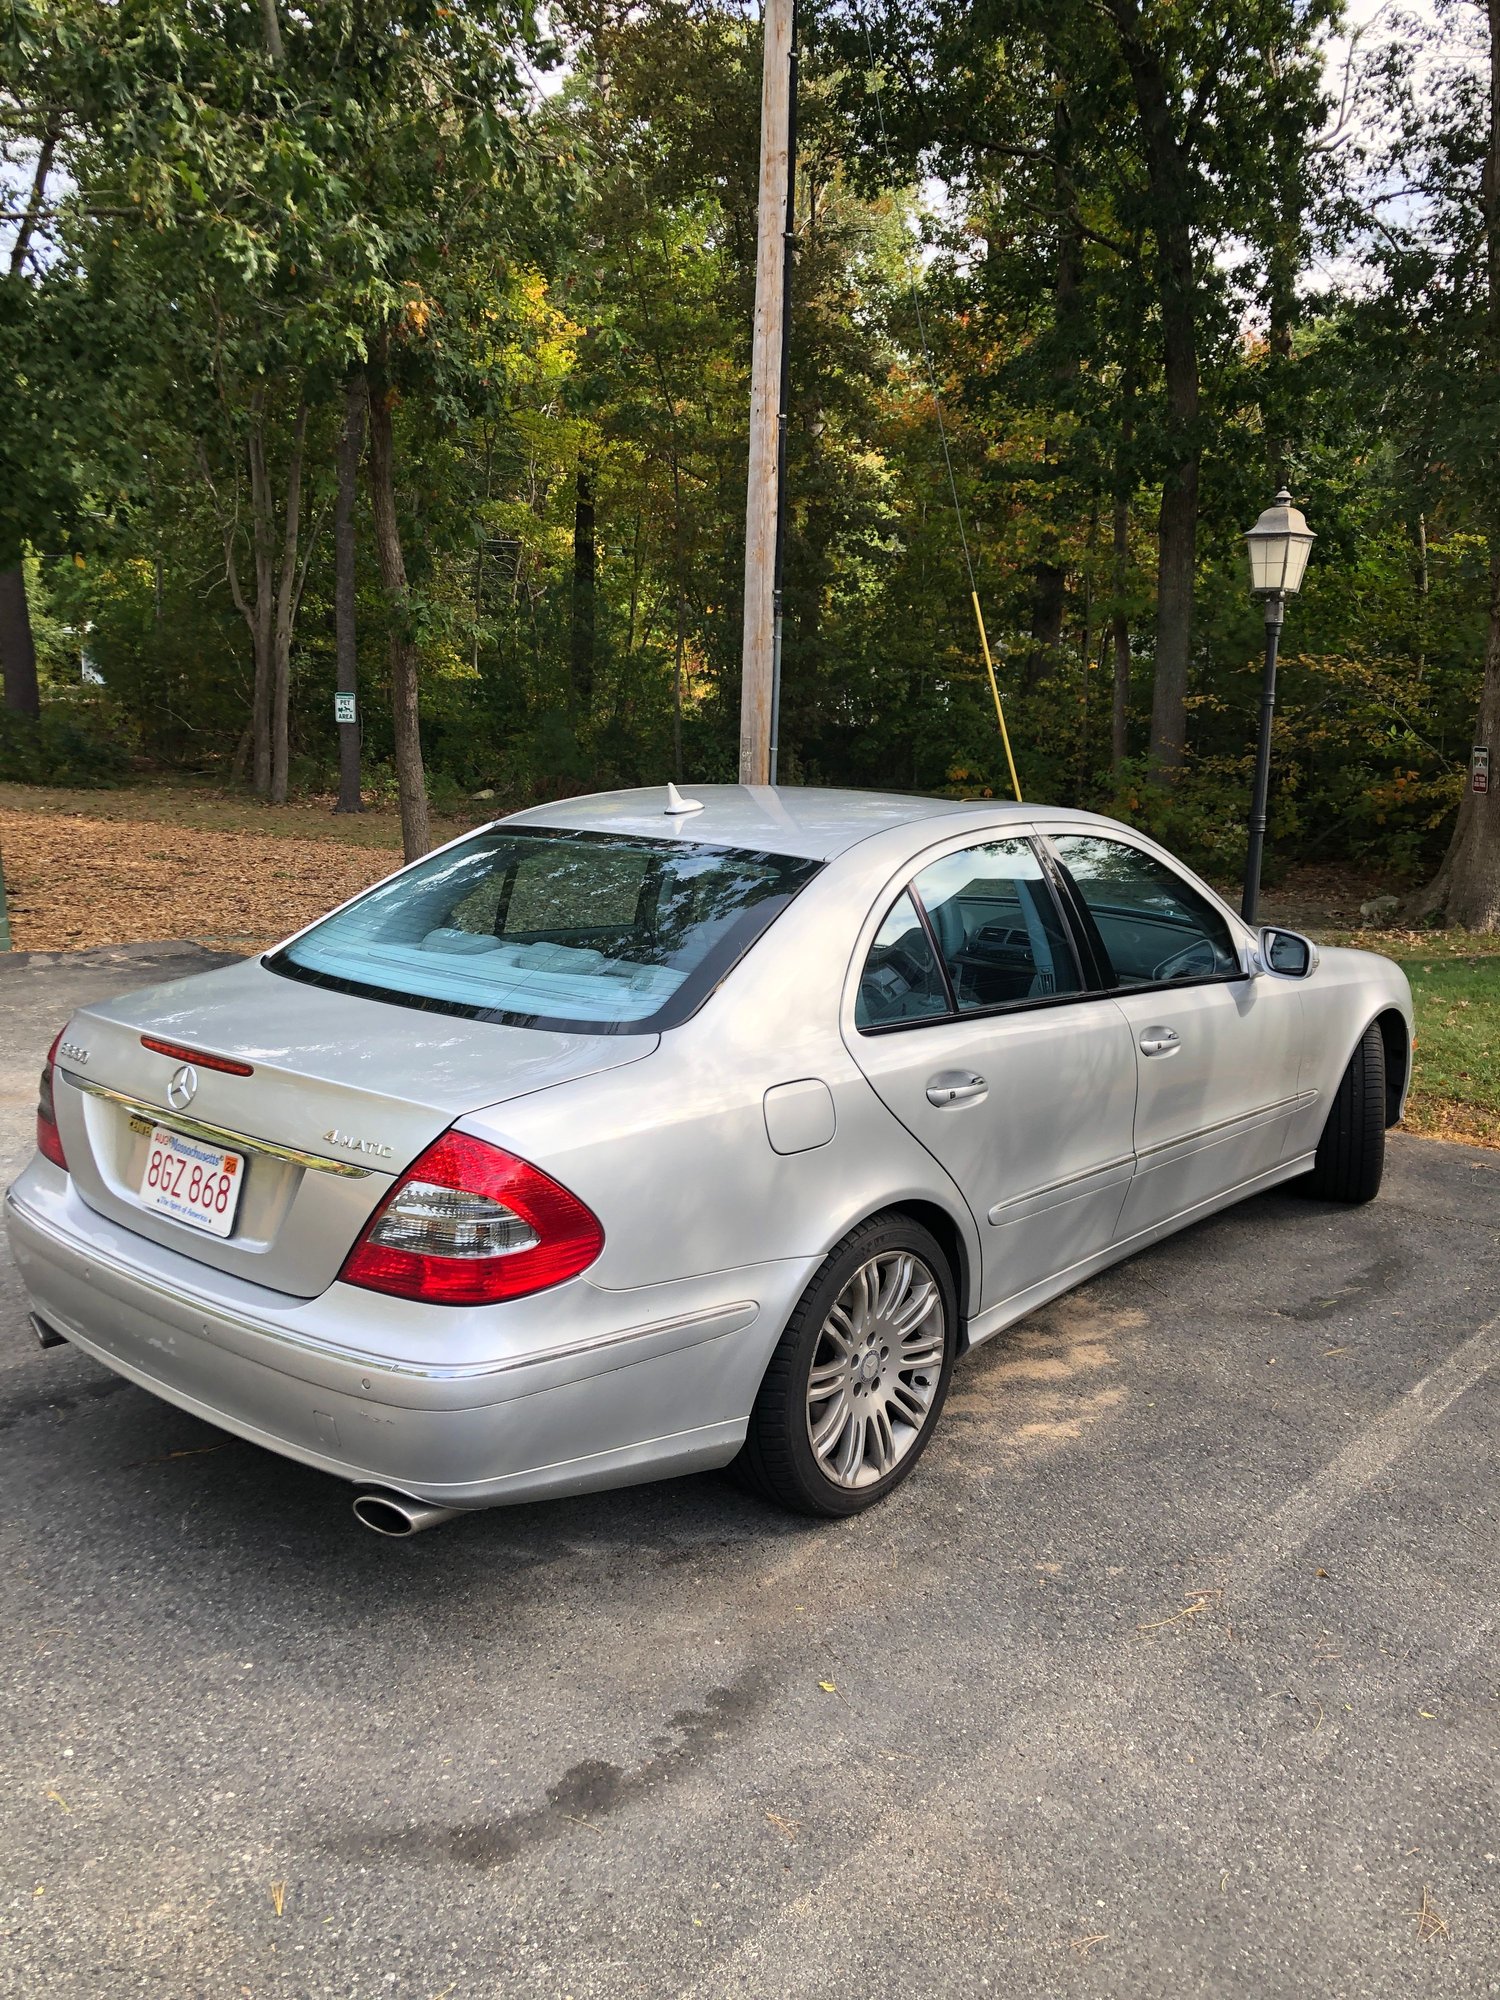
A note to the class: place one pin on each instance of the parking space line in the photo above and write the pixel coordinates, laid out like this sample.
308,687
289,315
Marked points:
1034,1752
1354,1468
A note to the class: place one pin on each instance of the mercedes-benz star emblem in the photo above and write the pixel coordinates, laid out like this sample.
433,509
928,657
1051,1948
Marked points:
183,1088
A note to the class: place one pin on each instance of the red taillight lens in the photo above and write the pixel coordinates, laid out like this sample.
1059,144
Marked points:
48,1139
468,1224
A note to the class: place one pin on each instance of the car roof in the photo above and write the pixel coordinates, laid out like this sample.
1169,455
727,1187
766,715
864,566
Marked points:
777,819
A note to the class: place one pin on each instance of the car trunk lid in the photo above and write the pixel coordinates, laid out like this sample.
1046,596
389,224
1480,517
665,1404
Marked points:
344,1092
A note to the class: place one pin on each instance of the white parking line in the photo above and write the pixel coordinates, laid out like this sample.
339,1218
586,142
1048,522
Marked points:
782,1957
1350,1471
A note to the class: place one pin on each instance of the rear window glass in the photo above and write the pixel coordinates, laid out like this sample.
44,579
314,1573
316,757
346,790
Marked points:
598,933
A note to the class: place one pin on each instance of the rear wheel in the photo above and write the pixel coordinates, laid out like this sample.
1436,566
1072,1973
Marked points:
856,1384
1351,1152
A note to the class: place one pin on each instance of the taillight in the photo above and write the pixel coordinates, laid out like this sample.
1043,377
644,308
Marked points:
48,1139
199,1058
468,1224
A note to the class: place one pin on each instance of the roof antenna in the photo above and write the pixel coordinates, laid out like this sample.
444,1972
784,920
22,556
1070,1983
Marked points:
677,804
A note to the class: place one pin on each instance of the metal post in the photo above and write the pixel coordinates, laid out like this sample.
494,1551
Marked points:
1275,613
789,251
763,484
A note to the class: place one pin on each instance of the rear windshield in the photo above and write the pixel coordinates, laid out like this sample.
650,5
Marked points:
598,933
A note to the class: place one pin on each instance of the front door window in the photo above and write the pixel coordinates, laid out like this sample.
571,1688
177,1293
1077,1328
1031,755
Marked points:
1154,927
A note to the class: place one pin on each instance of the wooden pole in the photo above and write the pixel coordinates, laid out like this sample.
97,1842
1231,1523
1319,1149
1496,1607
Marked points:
784,391
758,664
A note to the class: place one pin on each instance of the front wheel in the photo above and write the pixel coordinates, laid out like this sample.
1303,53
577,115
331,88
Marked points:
857,1381
1351,1152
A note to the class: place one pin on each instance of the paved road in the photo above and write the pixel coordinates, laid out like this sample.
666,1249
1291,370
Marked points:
1173,1672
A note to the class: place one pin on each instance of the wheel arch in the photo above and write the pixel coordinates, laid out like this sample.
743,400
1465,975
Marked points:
937,1220
1397,1040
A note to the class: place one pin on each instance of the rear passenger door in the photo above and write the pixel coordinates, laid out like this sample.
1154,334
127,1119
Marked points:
972,1022
1217,1050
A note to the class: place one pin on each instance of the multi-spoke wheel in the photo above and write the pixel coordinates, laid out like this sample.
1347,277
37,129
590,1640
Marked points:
855,1387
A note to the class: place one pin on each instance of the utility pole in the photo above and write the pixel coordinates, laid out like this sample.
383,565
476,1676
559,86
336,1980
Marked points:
762,505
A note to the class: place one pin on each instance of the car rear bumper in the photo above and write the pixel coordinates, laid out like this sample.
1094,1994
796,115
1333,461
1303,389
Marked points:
589,1389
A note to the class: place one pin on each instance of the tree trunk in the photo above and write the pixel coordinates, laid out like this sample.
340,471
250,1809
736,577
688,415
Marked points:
1049,602
1170,209
17,647
262,613
1466,889
271,28
346,650
1281,290
584,566
411,784
1049,586
1119,634
270,610
677,684
1176,542
286,612
31,215
17,643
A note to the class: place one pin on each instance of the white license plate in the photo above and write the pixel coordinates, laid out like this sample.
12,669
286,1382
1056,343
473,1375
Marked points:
193,1182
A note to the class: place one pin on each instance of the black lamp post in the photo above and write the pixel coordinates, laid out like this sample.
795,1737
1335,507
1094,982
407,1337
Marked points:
1278,543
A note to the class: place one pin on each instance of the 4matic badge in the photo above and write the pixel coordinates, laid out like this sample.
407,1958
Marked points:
350,1145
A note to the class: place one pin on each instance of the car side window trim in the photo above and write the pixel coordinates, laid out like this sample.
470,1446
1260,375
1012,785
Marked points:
915,899
1088,931
1092,961
1001,1008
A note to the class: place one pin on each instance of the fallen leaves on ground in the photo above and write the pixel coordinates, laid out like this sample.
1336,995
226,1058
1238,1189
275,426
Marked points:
73,881
1439,1118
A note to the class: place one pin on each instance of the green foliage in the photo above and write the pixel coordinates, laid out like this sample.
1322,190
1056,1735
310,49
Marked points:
558,291
71,743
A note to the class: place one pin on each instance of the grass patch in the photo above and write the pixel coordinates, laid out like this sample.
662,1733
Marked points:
1455,1090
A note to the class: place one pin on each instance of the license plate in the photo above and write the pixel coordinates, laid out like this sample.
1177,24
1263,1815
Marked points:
192,1182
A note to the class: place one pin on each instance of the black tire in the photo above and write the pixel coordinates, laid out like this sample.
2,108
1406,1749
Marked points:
1351,1152
778,1459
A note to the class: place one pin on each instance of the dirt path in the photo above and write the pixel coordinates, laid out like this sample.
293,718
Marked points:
73,880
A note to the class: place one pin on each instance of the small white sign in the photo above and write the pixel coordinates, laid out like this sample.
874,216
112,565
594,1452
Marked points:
343,708
1479,768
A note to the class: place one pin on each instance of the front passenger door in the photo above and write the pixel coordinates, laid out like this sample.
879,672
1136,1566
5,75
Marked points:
1217,1050
972,1024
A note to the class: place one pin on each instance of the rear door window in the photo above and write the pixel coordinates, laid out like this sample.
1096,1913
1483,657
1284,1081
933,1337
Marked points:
998,926
901,980
600,933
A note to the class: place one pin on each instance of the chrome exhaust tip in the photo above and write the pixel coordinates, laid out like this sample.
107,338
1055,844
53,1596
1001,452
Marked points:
398,1514
47,1336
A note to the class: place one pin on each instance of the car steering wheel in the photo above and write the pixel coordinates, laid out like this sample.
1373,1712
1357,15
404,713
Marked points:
1183,964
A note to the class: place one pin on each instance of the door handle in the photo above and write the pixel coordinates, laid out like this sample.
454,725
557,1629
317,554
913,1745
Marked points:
956,1086
1160,1042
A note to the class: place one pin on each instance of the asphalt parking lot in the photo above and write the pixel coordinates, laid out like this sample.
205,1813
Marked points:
1172,1672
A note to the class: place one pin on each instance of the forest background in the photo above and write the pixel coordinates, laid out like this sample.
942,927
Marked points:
406,346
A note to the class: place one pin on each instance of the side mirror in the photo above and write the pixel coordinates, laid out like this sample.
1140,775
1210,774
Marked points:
1287,953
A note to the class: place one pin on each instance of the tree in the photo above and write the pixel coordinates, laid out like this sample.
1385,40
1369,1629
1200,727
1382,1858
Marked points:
1449,271
1109,173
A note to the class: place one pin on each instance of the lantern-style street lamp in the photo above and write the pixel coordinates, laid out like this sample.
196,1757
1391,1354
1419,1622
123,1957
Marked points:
1278,545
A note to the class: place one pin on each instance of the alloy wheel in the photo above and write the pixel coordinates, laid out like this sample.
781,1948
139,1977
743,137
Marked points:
876,1369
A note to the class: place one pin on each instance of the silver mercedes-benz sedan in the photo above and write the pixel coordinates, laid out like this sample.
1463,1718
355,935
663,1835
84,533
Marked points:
634,1135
